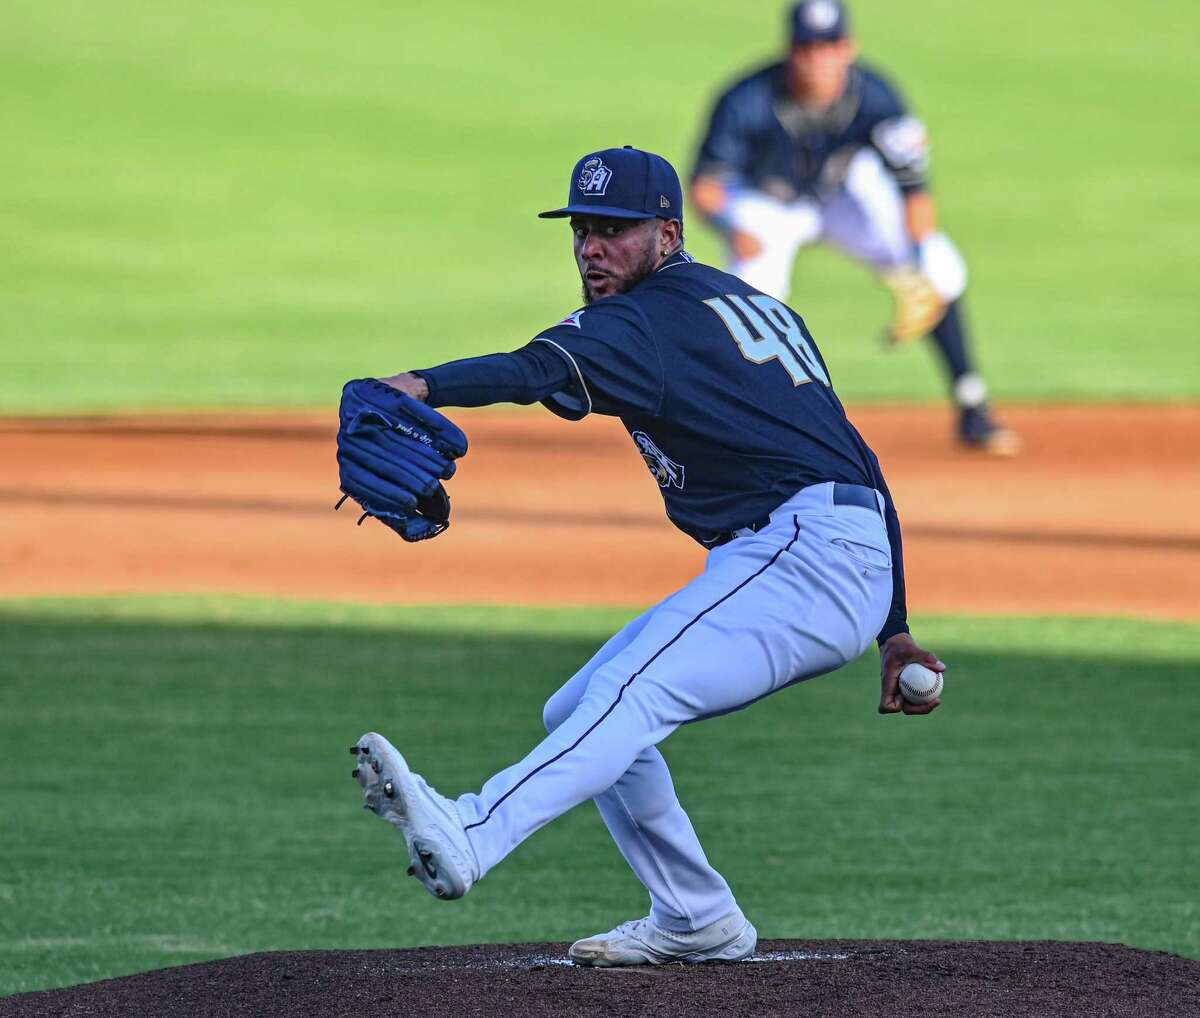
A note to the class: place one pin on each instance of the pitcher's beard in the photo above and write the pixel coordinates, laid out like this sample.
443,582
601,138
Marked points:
642,270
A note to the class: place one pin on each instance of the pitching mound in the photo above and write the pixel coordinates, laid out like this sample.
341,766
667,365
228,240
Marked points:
787,977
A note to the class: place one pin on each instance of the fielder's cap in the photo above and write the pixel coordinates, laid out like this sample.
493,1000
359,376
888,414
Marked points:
819,21
624,183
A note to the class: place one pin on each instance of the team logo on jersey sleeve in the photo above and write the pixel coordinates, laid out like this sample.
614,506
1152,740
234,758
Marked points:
902,142
666,471
594,176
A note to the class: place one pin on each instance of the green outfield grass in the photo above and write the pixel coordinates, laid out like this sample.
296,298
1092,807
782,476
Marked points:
176,785
244,204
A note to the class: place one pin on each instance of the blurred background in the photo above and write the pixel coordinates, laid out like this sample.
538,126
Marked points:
211,215
242,204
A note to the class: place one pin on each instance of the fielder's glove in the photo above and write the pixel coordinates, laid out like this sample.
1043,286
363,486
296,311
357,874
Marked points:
919,307
393,454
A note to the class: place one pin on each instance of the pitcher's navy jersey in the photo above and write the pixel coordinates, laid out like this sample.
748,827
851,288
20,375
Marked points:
722,389
758,136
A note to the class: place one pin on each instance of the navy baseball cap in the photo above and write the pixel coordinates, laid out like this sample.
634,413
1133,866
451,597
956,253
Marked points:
624,183
819,21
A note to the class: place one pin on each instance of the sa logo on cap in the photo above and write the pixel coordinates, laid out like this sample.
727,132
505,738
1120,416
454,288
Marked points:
594,176
821,15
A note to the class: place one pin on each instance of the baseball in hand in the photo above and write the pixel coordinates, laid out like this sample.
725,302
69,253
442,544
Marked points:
919,684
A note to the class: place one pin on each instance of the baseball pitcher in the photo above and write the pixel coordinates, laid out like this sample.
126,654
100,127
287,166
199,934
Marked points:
728,401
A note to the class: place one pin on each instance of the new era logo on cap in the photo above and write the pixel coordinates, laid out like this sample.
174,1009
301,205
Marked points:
664,202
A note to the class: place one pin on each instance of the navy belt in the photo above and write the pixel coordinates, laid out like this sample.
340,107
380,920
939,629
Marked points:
855,494
843,494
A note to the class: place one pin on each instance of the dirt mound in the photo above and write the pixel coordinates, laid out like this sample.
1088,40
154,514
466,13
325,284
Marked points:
813,978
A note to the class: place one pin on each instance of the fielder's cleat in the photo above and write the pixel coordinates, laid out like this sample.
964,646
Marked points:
641,942
977,429
354,773
440,854
354,751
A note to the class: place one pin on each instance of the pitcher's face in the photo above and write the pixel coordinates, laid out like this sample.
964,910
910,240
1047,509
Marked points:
614,255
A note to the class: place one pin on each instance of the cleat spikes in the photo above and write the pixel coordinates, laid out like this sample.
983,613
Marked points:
354,773
427,865
354,751
436,849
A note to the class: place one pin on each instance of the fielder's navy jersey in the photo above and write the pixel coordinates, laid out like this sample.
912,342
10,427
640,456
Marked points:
760,137
721,388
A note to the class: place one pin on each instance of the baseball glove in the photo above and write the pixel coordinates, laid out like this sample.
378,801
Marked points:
919,307
393,453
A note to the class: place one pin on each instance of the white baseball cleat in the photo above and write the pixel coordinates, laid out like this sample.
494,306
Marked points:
442,857
641,942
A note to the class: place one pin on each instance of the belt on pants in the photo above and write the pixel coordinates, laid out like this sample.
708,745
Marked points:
843,494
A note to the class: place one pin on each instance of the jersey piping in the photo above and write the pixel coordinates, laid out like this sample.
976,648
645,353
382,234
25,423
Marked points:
564,399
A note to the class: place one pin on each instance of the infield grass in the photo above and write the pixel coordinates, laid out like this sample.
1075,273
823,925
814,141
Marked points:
231,204
175,785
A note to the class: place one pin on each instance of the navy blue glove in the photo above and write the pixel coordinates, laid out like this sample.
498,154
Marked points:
393,454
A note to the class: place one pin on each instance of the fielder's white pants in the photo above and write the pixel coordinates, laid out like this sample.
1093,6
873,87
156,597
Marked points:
802,597
864,218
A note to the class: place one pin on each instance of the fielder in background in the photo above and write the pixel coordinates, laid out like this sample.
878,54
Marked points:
727,399
821,147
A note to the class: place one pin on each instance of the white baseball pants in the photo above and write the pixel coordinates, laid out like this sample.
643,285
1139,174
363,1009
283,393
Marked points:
802,597
864,218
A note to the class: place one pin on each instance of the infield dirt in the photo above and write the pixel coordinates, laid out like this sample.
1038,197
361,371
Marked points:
814,979
1099,515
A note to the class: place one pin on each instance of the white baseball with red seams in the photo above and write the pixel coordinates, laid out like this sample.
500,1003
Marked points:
919,684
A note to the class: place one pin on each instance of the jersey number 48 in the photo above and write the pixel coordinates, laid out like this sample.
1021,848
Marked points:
766,330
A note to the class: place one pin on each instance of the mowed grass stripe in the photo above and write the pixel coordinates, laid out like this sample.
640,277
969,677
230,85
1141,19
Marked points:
246,204
176,784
